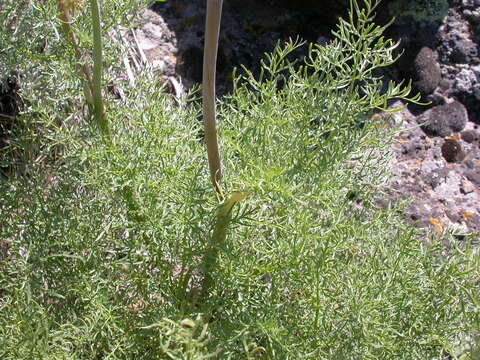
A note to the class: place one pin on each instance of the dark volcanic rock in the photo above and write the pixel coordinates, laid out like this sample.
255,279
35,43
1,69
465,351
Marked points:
443,120
426,72
452,151
327,10
190,63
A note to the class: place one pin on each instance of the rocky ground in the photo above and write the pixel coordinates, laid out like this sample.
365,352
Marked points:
437,161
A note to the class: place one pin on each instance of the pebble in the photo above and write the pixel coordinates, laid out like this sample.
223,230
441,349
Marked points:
452,151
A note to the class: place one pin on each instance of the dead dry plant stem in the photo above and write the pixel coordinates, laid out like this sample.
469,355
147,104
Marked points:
212,30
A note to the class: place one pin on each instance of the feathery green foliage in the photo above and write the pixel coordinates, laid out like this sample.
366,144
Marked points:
105,242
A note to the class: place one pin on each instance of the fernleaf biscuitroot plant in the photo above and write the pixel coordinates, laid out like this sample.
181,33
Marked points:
102,247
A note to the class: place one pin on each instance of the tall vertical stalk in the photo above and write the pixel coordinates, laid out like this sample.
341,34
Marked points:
98,107
212,31
92,79
223,214
224,211
64,10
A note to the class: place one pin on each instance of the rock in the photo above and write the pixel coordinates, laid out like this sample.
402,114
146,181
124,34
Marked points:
469,136
473,175
436,98
467,186
465,81
429,166
419,10
469,164
472,15
190,63
463,51
437,177
476,91
443,120
447,191
327,10
456,42
452,151
416,212
426,71
411,148
458,115
452,214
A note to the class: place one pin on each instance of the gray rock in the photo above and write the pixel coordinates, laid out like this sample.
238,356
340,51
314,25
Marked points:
453,214
443,120
472,15
465,80
467,187
476,71
436,177
473,175
417,212
469,136
412,148
426,71
448,190
429,166
469,164
463,51
458,115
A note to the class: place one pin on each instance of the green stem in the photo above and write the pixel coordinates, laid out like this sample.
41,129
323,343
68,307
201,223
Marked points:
83,69
98,107
212,30
217,239
223,217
